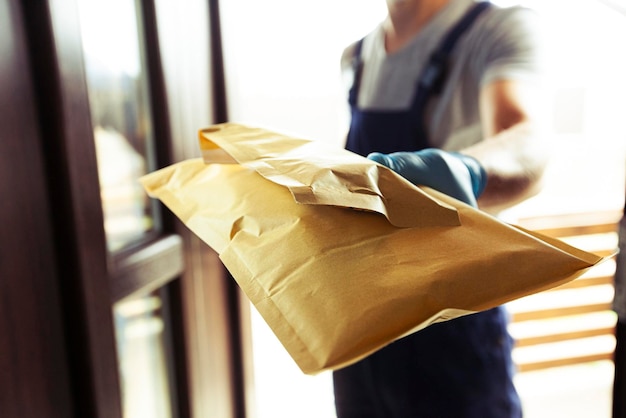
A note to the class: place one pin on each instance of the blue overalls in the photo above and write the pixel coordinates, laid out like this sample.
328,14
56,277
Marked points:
456,369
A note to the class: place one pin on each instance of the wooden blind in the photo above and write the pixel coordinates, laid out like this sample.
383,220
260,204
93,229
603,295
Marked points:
573,323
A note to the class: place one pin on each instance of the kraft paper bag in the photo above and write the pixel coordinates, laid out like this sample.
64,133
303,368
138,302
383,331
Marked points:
340,255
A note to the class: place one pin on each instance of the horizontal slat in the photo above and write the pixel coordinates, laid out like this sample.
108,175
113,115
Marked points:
573,224
563,326
561,311
585,282
564,336
572,231
539,365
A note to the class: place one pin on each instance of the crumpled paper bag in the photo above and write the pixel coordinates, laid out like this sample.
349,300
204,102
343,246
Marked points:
340,255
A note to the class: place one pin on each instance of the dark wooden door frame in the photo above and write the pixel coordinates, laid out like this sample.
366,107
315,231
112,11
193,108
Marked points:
34,378
619,356
619,385
71,173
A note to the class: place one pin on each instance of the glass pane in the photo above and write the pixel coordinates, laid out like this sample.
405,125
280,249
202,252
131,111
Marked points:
143,359
118,95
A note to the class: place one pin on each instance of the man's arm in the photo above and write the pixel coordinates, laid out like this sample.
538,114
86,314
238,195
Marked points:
516,149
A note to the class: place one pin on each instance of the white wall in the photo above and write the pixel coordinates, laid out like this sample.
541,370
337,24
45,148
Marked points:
282,61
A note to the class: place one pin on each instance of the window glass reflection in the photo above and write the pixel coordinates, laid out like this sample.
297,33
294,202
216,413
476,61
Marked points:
118,95
143,359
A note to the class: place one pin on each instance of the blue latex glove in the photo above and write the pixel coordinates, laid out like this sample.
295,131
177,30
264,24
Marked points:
456,175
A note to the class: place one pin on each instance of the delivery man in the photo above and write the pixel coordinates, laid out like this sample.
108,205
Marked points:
448,94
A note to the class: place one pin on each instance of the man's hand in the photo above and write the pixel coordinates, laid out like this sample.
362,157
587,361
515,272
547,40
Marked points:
456,175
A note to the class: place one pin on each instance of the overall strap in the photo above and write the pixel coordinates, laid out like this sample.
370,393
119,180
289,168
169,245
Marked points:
357,68
433,76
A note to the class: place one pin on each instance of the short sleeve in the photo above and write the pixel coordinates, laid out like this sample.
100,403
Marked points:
510,46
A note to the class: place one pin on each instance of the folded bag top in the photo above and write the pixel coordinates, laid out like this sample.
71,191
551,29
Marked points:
319,174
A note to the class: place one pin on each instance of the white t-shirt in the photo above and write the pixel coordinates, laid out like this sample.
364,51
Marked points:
502,43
